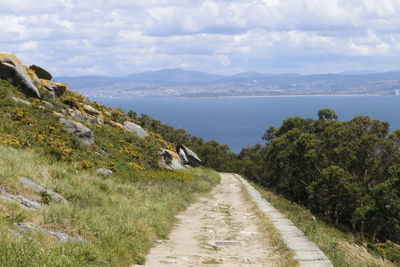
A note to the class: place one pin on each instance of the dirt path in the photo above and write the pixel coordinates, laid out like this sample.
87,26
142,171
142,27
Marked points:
220,229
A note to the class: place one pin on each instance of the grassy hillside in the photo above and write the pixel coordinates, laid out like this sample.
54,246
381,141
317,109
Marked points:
120,218
119,215
37,127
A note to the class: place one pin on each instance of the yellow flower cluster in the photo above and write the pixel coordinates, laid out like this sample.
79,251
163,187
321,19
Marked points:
10,140
22,115
86,165
130,151
111,165
136,166
19,113
60,149
73,99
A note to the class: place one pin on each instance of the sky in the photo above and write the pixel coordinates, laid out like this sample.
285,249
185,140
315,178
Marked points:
121,37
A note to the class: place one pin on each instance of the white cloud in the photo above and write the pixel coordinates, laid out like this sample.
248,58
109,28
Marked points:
118,37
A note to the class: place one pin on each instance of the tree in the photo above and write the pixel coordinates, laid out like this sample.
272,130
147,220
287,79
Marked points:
327,114
334,194
347,171
269,134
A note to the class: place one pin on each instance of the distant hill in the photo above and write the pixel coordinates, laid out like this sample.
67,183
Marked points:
173,76
179,82
360,72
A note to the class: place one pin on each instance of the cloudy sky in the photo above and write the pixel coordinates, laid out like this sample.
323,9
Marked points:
120,37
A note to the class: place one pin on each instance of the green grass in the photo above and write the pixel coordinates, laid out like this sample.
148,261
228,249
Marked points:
343,249
37,128
119,217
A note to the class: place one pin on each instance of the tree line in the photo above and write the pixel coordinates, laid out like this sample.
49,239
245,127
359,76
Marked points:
346,171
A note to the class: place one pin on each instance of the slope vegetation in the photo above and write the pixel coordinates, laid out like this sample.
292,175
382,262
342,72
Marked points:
346,172
82,184
118,218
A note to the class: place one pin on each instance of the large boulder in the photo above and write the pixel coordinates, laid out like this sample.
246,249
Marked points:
41,73
171,160
11,68
188,156
133,127
183,157
48,85
59,88
54,88
84,134
7,68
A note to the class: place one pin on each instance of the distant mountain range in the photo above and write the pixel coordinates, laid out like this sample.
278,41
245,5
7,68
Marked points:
178,82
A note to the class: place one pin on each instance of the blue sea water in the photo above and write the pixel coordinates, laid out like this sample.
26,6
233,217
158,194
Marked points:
240,122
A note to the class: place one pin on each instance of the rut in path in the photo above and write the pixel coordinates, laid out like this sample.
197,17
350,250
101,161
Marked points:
220,229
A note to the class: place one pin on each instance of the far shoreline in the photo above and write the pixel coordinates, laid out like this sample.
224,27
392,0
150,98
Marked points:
273,96
244,96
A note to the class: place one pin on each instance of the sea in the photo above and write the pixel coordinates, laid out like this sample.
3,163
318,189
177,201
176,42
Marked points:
240,122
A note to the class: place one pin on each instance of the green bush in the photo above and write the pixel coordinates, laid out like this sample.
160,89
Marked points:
346,171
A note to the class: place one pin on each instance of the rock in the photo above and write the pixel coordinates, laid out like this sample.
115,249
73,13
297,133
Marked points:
117,125
24,227
29,203
183,157
11,68
58,114
100,119
82,116
61,236
171,160
84,134
191,157
41,73
21,101
24,81
35,79
54,88
7,68
133,127
47,84
59,88
14,233
104,171
48,104
39,189
91,110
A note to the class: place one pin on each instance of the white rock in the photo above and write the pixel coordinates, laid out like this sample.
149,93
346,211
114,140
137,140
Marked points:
133,127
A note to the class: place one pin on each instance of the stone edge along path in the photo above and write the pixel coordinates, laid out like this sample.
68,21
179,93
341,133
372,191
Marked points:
305,251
